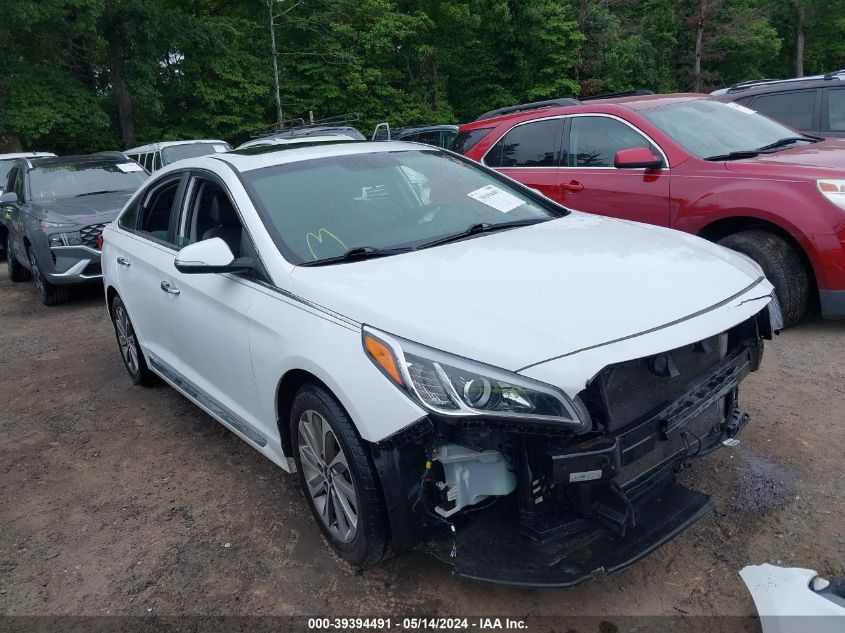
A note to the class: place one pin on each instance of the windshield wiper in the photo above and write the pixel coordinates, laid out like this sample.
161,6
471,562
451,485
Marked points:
94,193
358,253
745,153
784,142
481,227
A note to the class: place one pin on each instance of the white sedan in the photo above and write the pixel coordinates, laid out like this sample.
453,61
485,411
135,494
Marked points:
448,359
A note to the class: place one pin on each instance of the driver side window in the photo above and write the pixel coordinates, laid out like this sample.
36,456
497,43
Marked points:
16,183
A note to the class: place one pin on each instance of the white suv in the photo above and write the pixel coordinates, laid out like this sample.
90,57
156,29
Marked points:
449,360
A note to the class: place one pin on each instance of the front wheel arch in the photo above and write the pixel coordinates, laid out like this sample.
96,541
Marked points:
724,227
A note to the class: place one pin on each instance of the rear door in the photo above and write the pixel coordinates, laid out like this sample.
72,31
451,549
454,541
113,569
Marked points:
529,153
588,181
142,256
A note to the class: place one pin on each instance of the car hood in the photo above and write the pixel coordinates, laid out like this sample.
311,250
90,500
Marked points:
525,295
825,158
94,209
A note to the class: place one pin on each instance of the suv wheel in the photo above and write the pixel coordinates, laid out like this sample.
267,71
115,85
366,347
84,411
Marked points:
338,477
782,266
130,350
17,272
49,294
3,238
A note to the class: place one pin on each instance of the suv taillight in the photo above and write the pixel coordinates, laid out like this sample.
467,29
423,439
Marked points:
100,241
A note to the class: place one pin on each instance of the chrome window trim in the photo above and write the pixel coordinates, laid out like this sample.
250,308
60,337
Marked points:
483,160
579,115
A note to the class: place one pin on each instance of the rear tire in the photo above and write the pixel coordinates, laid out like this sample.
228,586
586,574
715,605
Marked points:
338,478
49,294
781,264
130,349
3,234
17,272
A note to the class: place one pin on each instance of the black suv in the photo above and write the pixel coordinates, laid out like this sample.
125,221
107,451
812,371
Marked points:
813,105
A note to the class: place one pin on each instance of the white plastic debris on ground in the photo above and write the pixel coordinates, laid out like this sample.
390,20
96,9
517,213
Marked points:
794,600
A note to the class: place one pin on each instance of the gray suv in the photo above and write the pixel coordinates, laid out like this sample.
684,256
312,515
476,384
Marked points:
54,210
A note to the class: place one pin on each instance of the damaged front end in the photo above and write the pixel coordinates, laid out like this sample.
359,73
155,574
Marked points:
527,500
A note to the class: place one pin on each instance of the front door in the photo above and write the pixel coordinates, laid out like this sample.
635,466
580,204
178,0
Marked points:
588,181
210,322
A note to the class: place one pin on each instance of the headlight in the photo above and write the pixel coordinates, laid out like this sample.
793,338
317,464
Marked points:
455,386
65,239
833,190
53,225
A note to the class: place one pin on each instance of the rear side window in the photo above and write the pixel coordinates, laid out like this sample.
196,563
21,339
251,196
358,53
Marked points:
836,110
430,138
532,144
156,212
594,141
794,109
465,141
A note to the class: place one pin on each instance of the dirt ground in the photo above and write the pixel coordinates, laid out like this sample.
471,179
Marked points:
116,499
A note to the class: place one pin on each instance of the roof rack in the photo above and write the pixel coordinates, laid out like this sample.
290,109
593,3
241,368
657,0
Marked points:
291,126
745,85
613,95
535,105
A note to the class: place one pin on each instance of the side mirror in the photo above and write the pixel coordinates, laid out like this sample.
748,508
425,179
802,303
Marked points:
10,197
210,256
636,158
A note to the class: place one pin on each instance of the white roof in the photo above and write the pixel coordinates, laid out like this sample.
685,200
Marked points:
153,147
25,155
259,142
248,162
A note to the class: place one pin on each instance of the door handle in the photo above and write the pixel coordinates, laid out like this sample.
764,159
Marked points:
165,285
123,261
572,185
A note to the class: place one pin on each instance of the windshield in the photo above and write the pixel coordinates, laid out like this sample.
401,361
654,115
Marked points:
323,208
191,150
712,128
64,181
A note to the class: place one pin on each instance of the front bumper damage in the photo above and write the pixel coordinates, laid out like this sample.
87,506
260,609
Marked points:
542,507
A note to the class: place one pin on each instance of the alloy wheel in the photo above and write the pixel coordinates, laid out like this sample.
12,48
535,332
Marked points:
126,339
36,273
327,476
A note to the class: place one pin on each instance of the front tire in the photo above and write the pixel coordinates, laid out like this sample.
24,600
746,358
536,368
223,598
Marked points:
49,294
781,264
338,477
17,272
130,349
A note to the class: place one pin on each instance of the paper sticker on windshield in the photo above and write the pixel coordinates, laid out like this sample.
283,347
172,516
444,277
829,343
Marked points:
497,198
219,148
127,167
741,108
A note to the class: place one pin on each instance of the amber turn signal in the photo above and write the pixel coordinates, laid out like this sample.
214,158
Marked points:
383,356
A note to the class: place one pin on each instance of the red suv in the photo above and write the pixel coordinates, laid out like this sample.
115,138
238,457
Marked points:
689,162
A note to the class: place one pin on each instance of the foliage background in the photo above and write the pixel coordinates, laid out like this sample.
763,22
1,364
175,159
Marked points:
87,75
